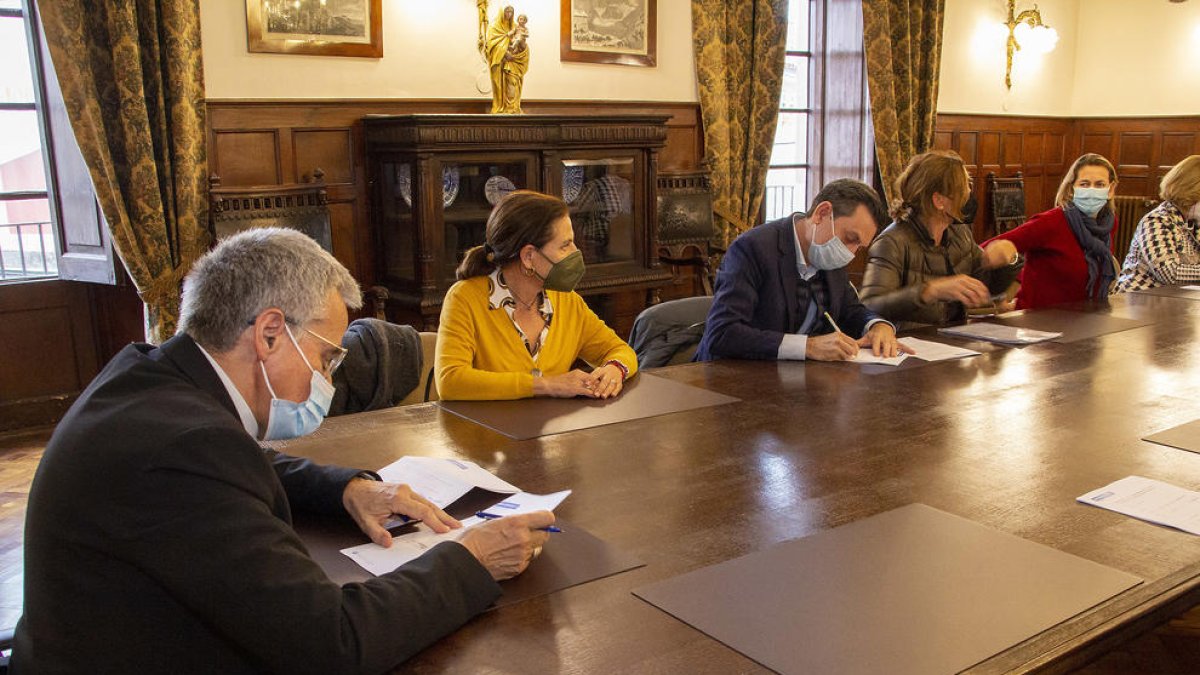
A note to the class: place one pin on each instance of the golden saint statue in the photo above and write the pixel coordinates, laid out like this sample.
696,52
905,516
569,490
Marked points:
506,50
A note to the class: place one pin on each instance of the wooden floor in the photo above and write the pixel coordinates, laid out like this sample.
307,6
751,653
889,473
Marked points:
1170,649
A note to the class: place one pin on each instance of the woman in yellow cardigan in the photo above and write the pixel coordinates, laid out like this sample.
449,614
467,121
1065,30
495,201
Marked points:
512,326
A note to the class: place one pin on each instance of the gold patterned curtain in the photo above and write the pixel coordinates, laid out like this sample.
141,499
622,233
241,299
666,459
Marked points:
903,41
739,47
133,83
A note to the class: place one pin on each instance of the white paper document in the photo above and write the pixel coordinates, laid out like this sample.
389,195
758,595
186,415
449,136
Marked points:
928,350
995,332
379,560
1150,500
865,356
442,481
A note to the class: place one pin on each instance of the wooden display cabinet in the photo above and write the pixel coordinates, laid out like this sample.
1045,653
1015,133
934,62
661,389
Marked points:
434,178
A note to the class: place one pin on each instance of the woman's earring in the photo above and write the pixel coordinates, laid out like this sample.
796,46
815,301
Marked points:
529,271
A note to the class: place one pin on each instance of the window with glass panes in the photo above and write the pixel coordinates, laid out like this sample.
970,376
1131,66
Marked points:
787,176
27,237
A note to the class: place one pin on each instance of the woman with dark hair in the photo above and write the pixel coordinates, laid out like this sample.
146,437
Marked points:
926,268
1068,249
512,326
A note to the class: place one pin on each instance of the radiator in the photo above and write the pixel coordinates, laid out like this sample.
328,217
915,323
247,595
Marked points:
1129,213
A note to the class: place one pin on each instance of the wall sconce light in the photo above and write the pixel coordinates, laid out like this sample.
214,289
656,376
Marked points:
1026,29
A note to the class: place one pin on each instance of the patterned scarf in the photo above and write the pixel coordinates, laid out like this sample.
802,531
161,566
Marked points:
1095,238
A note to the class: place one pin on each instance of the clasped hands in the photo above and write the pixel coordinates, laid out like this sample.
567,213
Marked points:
603,382
837,346
504,546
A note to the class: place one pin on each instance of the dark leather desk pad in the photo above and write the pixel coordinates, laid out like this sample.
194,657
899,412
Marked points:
570,558
912,590
1073,325
644,396
1184,437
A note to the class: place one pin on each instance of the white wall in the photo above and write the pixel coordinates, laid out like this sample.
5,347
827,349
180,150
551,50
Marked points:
973,47
429,52
1140,57
1114,58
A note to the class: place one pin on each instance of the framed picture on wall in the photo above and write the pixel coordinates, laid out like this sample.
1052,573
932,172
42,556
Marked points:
321,27
610,31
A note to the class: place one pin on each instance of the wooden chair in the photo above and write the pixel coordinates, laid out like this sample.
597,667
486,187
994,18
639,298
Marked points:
426,389
685,222
1007,196
301,207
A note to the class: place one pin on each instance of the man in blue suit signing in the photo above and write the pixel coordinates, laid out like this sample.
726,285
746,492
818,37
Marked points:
778,281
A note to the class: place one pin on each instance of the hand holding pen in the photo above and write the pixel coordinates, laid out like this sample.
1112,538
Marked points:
835,346
506,545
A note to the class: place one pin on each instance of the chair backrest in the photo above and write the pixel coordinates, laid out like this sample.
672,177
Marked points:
300,207
426,389
669,332
1007,196
685,222
1130,209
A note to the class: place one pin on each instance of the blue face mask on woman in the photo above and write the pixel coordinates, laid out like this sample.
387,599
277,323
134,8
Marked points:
289,419
832,255
1090,200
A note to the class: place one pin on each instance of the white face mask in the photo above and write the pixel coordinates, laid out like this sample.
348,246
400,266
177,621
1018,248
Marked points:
289,419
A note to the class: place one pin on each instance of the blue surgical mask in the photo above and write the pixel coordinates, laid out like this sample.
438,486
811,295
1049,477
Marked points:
289,419
1090,200
832,255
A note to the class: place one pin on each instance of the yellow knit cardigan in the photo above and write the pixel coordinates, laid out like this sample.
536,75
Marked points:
481,356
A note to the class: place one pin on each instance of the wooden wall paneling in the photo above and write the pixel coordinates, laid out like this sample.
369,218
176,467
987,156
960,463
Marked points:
1176,145
119,316
989,151
285,155
1135,149
330,149
1013,149
966,147
1033,149
245,156
1104,143
46,328
1057,150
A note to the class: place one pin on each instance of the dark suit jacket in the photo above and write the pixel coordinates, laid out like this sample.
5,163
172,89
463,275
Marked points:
755,301
158,539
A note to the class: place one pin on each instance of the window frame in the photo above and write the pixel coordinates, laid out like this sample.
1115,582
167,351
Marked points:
82,241
840,140
36,106
809,112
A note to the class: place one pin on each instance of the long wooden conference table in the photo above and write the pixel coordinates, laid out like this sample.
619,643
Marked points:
1007,439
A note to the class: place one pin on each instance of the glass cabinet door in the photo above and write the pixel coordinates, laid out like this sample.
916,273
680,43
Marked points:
470,188
600,194
397,228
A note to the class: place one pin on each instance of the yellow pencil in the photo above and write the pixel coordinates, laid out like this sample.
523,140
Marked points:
833,323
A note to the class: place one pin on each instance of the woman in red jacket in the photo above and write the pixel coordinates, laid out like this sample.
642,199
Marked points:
1068,249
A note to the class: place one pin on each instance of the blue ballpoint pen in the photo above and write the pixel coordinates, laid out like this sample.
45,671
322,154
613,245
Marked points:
492,516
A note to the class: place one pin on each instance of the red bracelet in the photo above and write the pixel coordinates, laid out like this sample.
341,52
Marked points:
621,367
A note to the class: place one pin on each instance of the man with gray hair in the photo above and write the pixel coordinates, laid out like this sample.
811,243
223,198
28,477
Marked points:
158,535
